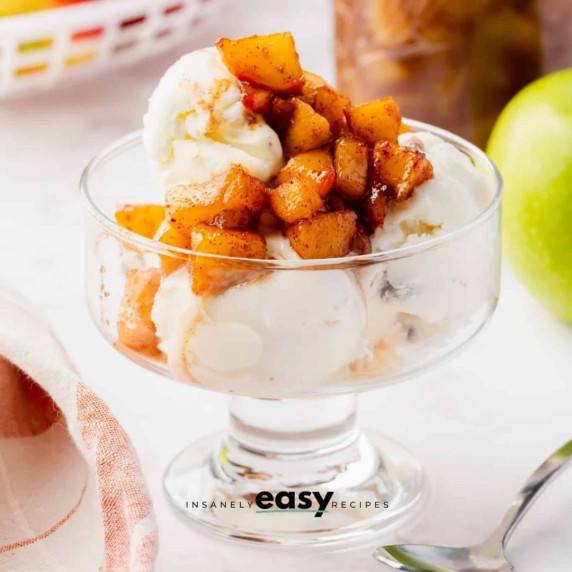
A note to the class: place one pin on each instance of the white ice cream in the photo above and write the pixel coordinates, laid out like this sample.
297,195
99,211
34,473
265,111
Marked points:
196,125
286,331
411,298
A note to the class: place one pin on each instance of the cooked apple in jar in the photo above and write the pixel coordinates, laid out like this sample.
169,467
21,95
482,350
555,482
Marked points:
452,63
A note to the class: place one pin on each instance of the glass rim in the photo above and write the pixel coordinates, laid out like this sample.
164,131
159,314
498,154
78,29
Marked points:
131,139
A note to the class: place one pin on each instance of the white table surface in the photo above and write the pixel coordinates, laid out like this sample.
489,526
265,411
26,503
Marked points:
479,426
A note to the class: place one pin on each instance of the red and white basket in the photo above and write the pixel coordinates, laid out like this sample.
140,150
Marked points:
46,48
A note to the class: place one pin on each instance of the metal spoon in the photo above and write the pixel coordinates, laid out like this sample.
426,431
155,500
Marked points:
489,555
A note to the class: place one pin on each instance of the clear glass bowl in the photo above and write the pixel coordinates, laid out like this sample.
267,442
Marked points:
293,344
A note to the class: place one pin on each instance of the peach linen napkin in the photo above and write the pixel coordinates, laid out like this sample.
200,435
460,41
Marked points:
72,496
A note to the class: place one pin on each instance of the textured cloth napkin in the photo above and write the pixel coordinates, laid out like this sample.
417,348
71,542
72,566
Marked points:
72,496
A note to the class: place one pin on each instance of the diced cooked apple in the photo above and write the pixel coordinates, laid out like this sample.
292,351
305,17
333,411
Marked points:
379,120
172,236
268,223
330,103
361,243
401,168
404,128
312,81
270,61
281,113
338,203
326,235
257,99
211,275
306,130
375,201
326,100
295,199
351,164
227,242
142,219
135,329
393,23
238,218
235,191
316,166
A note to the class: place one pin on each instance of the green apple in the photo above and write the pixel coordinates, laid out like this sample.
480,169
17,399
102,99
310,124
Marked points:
531,144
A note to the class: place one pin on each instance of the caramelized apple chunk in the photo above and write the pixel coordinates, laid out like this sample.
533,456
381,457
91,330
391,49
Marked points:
379,120
338,203
375,201
257,99
295,199
312,81
316,166
331,103
326,100
236,193
361,243
326,235
237,218
306,130
270,61
227,242
401,168
268,223
351,164
211,275
172,237
142,219
281,113
404,128
135,329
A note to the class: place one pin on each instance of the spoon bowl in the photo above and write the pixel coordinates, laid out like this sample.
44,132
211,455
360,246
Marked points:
489,555
419,557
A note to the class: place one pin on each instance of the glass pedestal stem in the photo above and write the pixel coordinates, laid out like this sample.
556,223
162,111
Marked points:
293,426
295,472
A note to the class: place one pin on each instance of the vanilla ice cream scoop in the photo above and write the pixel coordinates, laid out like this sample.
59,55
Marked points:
292,330
196,125
283,332
411,296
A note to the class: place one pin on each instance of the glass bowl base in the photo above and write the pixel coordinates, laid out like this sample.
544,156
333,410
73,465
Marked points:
365,484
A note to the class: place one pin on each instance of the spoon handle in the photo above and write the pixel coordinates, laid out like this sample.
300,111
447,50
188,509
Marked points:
530,492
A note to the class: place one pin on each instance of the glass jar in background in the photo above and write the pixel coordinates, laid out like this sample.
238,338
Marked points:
453,63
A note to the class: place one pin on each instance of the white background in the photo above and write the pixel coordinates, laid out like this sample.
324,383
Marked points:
479,426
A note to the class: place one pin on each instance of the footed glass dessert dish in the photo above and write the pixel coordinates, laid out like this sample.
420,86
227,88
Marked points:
292,341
